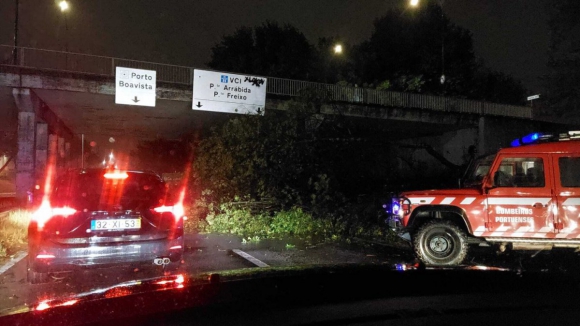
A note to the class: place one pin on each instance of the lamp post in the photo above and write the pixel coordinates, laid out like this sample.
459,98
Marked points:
64,8
15,51
415,3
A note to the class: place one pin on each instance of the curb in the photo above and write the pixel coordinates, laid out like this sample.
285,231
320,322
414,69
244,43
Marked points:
13,261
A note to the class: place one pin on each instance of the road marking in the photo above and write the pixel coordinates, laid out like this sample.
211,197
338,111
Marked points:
18,257
250,258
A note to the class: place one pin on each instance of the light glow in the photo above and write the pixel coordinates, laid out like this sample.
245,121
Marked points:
69,303
45,213
42,306
177,282
177,210
64,211
63,5
117,175
45,256
414,3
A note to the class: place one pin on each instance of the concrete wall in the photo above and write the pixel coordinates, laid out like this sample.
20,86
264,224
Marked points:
415,162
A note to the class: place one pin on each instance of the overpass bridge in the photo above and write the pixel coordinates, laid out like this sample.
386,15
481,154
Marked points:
52,99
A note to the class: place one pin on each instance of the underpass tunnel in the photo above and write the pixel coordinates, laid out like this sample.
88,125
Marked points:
42,141
49,113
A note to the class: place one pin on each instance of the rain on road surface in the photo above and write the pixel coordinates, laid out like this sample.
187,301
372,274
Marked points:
203,253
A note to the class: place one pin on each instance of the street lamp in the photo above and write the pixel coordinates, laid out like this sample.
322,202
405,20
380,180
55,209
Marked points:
63,5
337,49
414,3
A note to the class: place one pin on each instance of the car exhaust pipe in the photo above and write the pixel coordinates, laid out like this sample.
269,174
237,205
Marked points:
162,261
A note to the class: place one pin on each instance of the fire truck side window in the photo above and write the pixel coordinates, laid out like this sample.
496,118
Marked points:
520,172
569,171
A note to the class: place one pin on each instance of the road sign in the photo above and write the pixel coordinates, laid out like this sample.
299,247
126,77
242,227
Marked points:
135,86
228,93
533,97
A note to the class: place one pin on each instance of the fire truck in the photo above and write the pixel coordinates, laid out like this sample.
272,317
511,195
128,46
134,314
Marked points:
525,197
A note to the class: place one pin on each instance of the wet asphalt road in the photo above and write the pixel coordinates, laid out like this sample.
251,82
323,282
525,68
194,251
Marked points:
211,253
203,253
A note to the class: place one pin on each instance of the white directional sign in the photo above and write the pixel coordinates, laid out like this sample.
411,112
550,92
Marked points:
135,86
533,97
229,93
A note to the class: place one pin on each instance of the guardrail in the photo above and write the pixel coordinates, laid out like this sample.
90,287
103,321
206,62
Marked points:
105,66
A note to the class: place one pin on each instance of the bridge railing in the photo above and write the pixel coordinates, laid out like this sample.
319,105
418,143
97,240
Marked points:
105,66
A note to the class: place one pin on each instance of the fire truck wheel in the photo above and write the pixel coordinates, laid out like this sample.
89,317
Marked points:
440,243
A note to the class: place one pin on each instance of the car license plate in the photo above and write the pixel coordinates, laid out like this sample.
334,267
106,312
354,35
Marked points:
116,224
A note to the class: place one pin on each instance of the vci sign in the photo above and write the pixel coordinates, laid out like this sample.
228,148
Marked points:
135,86
229,93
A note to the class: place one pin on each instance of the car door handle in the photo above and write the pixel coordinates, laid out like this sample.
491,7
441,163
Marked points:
538,205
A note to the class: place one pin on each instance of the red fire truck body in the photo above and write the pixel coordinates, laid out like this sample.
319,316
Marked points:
524,197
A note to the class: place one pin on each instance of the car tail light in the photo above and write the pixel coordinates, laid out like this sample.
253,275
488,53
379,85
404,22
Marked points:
116,175
45,213
177,210
44,256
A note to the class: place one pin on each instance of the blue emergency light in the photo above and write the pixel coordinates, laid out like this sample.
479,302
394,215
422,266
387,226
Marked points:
527,139
393,208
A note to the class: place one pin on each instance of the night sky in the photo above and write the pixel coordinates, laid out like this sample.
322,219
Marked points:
510,35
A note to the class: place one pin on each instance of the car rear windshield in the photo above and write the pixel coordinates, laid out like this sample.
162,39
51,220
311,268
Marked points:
91,190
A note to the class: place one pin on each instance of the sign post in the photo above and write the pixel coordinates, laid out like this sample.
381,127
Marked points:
532,98
135,86
228,93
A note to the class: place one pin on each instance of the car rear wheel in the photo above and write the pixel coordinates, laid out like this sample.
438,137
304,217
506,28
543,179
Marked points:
440,243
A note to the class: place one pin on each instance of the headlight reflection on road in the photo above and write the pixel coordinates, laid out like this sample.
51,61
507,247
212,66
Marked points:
43,305
176,281
169,282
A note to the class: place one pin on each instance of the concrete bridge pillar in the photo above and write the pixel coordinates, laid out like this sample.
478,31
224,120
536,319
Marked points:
41,149
497,132
53,148
25,158
481,149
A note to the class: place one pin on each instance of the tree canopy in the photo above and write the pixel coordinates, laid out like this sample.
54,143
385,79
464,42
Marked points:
268,49
563,80
406,51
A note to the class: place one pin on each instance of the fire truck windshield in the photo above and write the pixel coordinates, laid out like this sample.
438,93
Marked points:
477,171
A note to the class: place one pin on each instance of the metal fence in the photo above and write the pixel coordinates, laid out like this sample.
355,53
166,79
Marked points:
105,66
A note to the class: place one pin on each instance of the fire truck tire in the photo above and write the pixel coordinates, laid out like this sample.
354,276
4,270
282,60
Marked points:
440,243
